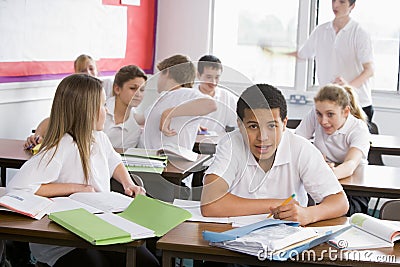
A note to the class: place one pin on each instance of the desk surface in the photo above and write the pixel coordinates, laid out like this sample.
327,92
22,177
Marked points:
17,227
385,144
186,241
13,155
373,181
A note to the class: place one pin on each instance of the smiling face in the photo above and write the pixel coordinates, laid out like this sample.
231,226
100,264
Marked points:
131,93
209,80
330,115
341,8
263,129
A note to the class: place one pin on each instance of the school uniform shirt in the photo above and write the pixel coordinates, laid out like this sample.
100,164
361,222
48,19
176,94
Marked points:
335,147
186,127
225,115
122,135
298,168
66,167
340,54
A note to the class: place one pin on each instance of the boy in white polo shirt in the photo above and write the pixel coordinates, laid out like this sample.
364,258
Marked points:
261,164
174,118
209,70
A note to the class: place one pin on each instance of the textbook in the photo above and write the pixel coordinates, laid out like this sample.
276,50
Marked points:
169,150
94,202
269,239
367,232
26,203
144,217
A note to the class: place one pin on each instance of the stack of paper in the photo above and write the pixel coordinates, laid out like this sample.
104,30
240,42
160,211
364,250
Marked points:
144,160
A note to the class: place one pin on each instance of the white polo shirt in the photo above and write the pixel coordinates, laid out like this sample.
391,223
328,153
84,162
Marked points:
66,167
335,147
298,168
122,135
225,115
185,126
340,54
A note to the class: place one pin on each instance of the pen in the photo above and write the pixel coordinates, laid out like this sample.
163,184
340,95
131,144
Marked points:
284,203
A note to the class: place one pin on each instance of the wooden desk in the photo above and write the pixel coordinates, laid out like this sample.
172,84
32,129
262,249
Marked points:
12,155
385,144
373,181
185,241
17,227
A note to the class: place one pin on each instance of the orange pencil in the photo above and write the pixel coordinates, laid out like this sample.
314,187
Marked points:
284,203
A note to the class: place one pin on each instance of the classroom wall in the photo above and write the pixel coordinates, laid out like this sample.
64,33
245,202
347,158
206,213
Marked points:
183,27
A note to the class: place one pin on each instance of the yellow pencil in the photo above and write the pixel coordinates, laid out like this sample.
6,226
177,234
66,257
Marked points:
284,203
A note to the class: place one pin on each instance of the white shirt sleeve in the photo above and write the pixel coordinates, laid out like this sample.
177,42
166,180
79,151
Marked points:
307,125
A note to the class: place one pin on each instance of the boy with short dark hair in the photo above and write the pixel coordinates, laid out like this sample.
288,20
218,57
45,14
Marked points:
261,164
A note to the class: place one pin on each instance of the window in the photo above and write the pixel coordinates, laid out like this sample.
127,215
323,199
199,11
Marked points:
245,33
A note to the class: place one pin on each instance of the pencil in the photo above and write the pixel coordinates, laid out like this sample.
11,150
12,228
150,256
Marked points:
285,202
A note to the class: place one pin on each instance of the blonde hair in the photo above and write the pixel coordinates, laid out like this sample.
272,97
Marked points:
343,96
74,111
80,63
183,71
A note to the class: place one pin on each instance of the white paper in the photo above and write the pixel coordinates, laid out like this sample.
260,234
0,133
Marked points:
137,231
66,203
105,201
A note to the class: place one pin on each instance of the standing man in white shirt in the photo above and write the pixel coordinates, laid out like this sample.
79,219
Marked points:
209,70
343,53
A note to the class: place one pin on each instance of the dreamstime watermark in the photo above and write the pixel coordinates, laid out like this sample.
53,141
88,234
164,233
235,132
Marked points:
329,254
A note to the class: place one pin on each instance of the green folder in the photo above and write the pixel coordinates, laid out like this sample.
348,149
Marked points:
154,214
90,227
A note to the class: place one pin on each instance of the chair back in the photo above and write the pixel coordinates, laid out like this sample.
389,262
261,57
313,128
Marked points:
390,210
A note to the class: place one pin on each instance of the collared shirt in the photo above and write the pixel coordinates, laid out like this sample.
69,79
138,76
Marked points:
225,115
66,167
298,168
335,147
122,135
340,54
186,127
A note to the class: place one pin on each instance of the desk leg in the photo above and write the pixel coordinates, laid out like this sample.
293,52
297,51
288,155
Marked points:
130,257
167,259
3,176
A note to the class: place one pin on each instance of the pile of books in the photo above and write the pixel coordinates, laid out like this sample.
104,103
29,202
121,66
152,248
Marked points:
144,160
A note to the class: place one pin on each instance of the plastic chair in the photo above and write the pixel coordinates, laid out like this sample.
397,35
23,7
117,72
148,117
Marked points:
390,210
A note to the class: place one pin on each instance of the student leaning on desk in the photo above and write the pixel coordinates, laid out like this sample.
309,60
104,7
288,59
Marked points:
76,156
340,131
261,164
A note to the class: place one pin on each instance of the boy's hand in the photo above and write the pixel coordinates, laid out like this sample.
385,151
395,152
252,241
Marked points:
165,122
291,212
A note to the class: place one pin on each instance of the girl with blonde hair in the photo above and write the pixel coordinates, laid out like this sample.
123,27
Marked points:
340,132
76,156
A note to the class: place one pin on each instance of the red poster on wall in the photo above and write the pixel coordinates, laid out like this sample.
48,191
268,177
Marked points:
44,46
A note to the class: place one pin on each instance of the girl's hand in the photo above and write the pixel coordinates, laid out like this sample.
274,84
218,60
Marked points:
32,141
87,188
165,123
134,190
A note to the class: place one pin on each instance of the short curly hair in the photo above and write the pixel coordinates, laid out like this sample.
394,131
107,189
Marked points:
261,96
